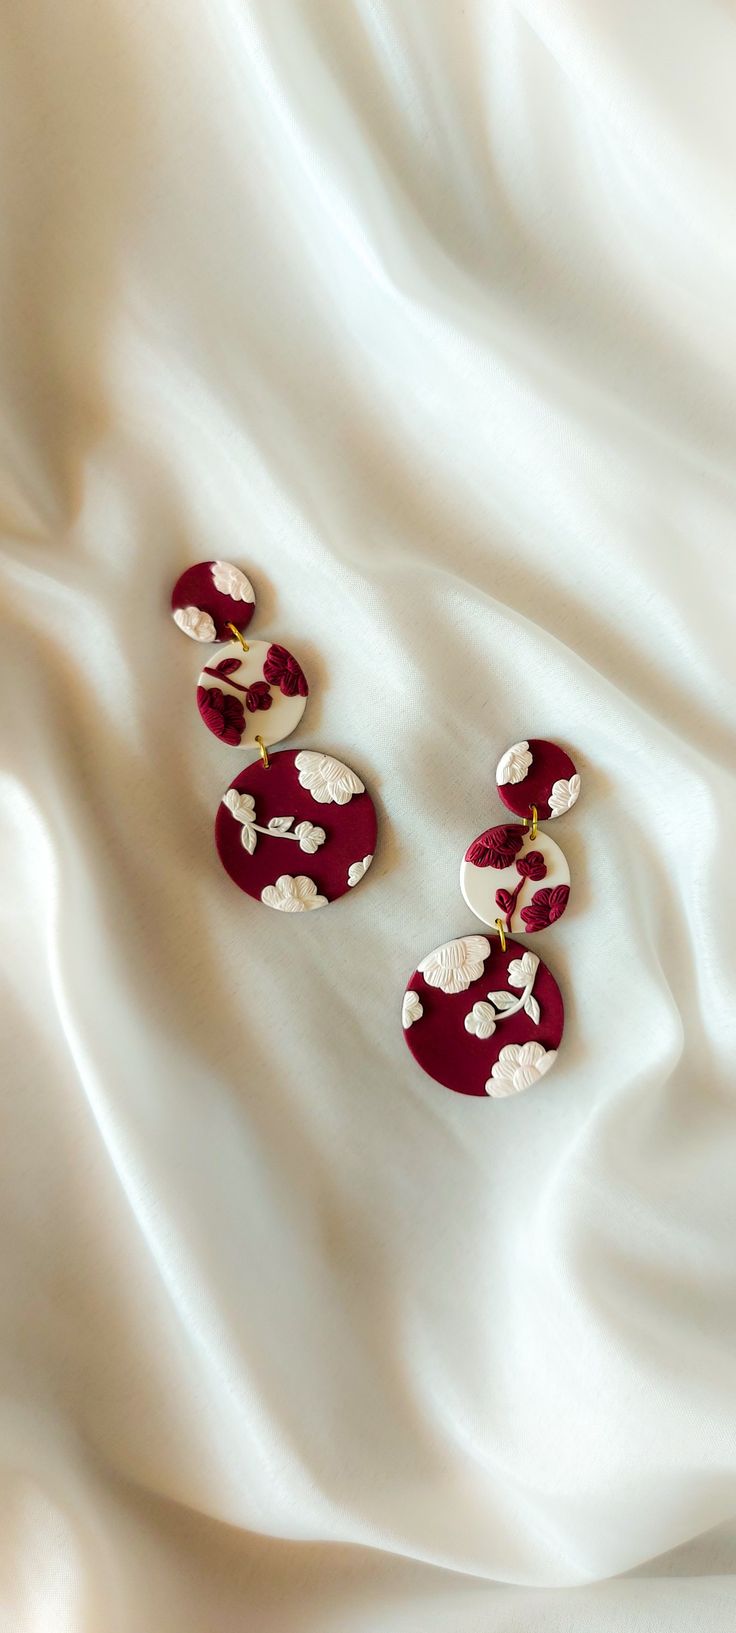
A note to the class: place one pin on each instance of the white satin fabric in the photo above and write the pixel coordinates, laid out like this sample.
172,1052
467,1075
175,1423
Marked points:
423,314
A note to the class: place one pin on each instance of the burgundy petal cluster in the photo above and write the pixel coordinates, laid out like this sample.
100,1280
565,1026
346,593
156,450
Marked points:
545,906
258,696
496,848
224,714
532,866
282,670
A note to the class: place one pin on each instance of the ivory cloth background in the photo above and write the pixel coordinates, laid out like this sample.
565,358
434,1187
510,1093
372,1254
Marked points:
423,313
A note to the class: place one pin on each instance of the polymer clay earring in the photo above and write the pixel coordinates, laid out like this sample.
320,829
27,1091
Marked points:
252,694
485,1016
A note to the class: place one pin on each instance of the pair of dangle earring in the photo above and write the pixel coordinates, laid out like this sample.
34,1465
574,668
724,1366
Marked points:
484,1016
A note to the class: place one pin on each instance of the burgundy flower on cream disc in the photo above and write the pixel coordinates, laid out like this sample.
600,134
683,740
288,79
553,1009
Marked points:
298,833
240,698
507,875
208,597
482,1021
537,773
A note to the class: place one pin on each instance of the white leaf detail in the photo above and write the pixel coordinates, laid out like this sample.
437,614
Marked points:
411,1009
514,764
522,970
288,895
357,870
248,838
241,806
196,623
481,1021
564,794
230,581
532,1009
502,1000
280,825
518,1066
453,966
328,780
310,838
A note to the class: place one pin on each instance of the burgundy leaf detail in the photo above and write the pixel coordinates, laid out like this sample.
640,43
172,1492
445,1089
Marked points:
258,696
496,848
532,866
226,666
505,901
545,906
282,670
223,714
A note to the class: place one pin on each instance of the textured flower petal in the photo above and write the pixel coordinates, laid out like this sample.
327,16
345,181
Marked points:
513,766
564,794
453,966
193,621
522,970
241,806
328,780
230,581
293,895
497,847
481,1021
411,1010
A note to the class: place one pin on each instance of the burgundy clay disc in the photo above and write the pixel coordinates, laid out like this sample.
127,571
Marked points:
481,1021
298,833
537,773
208,597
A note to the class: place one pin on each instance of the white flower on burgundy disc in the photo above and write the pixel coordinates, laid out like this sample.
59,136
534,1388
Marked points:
453,966
514,764
229,580
290,895
564,794
196,623
328,780
411,1009
357,870
519,1065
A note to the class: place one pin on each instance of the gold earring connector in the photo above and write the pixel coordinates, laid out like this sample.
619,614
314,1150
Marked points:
501,934
264,753
239,637
532,822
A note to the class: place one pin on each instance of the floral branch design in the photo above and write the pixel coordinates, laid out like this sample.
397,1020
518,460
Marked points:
532,866
243,808
483,1018
499,848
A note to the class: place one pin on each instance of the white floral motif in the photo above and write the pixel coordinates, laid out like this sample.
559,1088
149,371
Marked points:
243,808
564,794
310,838
289,895
196,623
518,1066
521,971
514,764
481,1021
357,869
483,1018
411,1010
230,581
328,780
453,966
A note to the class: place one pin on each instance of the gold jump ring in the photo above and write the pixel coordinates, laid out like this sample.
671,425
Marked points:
532,822
264,753
502,934
239,637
